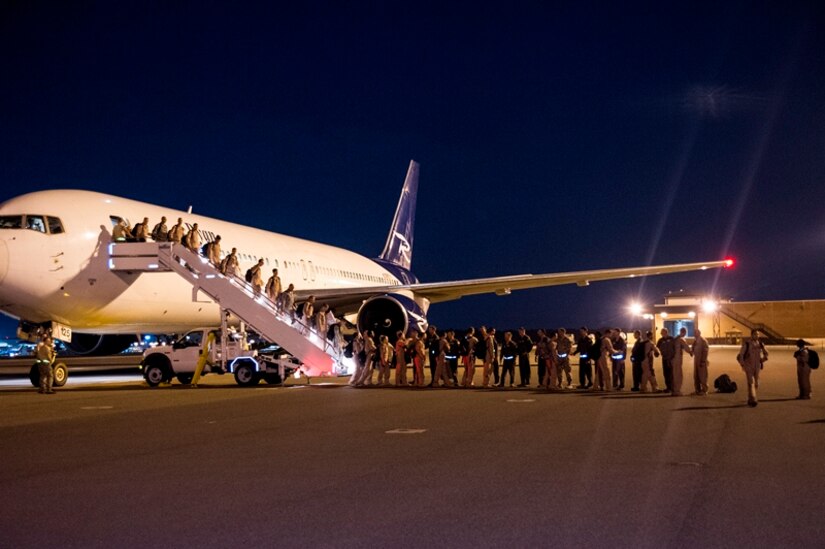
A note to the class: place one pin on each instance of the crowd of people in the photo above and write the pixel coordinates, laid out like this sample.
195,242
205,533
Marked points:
602,359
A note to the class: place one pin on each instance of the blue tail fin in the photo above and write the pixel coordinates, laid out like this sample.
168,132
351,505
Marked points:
398,249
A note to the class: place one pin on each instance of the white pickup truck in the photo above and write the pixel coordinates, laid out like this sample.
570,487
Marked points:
180,360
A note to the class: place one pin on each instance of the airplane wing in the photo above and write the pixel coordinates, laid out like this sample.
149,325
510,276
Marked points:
438,292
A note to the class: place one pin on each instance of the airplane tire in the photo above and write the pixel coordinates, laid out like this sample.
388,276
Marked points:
245,375
185,379
153,374
61,375
60,371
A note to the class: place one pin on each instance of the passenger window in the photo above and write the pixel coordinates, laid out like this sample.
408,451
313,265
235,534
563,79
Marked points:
36,223
55,226
11,221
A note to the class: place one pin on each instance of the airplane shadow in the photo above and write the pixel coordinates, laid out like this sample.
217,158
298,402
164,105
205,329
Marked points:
812,421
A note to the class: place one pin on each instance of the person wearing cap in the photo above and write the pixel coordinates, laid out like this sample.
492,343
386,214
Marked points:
803,370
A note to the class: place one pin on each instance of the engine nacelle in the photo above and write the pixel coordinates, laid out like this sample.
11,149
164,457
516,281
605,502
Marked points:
388,314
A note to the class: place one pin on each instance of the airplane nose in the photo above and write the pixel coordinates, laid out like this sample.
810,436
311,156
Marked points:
4,260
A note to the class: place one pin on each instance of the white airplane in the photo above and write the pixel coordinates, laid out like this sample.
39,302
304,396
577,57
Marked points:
54,268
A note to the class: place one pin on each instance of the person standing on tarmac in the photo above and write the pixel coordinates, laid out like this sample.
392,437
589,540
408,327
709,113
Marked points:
159,231
699,350
508,353
442,369
605,381
525,347
541,356
369,359
400,359
648,374
359,357
803,370
45,355
273,287
489,350
419,356
668,351
495,355
583,345
176,232
680,346
618,359
470,358
452,355
637,355
563,348
432,344
552,378
752,354
385,361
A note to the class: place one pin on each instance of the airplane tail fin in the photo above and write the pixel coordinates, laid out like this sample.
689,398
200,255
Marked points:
398,249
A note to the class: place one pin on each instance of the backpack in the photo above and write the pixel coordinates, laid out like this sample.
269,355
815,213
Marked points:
248,275
723,384
813,359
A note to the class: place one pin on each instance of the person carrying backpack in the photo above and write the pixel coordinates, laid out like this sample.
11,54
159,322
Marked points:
803,369
751,356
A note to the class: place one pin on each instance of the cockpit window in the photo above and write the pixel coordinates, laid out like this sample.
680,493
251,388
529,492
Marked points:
36,223
55,226
11,221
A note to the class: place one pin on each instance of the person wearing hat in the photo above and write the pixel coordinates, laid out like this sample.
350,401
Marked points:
803,370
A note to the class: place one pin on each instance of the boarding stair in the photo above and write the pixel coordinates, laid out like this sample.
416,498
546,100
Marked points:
318,355
772,337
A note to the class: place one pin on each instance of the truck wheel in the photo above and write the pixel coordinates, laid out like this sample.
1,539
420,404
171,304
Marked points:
61,374
34,376
153,374
185,379
245,375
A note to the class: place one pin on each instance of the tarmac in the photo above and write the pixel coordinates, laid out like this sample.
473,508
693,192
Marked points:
326,465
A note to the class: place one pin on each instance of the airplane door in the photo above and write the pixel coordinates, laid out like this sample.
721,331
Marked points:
304,269
311,272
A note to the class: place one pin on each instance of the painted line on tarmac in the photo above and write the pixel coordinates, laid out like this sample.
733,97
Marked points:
521,400
96,407
402,431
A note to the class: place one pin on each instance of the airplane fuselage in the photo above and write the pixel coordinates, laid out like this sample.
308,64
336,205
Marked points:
64,275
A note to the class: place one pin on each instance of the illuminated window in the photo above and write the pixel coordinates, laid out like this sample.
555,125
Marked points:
36,223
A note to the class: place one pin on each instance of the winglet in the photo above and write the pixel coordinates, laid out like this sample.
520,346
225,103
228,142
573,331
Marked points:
398,249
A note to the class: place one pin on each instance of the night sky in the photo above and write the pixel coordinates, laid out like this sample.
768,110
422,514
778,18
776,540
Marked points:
550,138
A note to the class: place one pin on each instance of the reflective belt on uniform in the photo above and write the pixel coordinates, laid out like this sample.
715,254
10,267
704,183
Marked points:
511,357
617,357
564,355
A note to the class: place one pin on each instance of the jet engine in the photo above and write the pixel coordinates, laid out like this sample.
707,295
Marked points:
387,314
